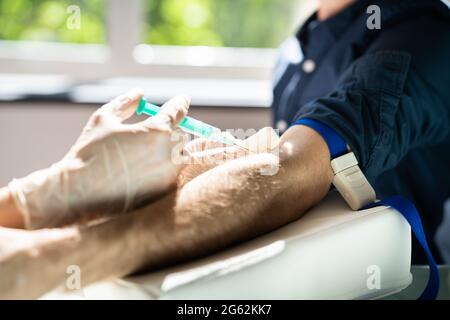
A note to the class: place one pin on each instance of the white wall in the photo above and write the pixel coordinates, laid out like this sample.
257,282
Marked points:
35,135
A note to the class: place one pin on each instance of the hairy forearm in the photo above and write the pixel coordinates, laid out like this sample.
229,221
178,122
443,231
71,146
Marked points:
197,219
230,203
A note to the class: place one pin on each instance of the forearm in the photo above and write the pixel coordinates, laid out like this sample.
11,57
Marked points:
232,202
9,215
182,225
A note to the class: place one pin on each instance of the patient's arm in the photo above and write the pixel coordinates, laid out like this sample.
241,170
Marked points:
229,203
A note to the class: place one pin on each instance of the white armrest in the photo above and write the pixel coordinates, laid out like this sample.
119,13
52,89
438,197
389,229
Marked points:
330,253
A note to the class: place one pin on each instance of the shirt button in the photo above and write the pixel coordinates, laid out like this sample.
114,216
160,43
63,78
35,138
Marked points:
309,66
281,125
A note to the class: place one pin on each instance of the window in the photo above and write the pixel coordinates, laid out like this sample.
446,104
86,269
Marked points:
91,40
219,23
34,20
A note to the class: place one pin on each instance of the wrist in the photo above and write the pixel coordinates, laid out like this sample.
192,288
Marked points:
42,257
38,198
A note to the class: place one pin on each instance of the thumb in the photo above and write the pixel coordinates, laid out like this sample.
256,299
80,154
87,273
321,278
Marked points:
123,106
172,112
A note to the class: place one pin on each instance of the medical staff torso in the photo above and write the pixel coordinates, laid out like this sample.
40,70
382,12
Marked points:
312,63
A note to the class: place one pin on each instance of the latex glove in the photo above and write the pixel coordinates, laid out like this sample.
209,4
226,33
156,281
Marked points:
204,151
112,167
204,154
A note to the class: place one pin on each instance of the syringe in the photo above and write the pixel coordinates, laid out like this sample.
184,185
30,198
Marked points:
188,124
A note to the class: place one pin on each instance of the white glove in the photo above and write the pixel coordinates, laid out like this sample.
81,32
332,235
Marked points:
112,168
204,151
204,154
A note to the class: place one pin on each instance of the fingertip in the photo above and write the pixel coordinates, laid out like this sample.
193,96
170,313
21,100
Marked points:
183,101
135,94
123,106
185,97
179,107
196,145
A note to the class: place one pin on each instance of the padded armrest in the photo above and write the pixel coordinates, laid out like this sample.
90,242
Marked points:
330,253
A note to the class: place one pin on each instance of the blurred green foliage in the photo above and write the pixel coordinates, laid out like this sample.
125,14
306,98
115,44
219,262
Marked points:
230,23
40,20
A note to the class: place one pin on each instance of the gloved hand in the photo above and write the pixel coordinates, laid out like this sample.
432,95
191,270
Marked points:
112,167
204,151
204,154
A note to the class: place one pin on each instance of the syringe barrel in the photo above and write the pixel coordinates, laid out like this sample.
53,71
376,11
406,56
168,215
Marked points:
188,124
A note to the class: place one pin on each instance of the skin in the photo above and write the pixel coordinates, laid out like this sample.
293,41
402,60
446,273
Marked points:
115,152
9,215
195,219
328,8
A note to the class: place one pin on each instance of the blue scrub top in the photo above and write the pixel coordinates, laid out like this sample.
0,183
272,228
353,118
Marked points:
385,91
